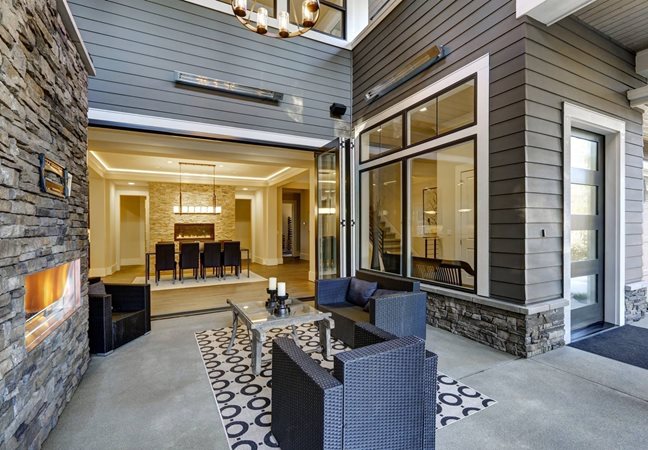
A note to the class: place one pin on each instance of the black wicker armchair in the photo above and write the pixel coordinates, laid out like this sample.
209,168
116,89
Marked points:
398,306
380,396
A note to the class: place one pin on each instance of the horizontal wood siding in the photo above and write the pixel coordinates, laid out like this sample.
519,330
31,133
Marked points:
470,29
569,62
137,46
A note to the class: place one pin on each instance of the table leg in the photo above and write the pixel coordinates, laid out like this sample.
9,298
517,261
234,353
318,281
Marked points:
257,350
234,330
294,333
325,326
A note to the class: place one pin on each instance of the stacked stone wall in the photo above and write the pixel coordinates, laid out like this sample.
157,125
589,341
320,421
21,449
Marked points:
43,109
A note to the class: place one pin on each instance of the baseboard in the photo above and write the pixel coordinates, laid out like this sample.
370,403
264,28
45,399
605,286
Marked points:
267,261
132,262
304,256
101,271
311,275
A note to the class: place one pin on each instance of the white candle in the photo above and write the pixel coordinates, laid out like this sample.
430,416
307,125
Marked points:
281,289
272,283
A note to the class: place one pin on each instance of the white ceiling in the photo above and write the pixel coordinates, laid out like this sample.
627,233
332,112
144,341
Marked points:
625,21
148,157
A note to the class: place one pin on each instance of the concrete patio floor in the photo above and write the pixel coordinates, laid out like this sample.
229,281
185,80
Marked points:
153,394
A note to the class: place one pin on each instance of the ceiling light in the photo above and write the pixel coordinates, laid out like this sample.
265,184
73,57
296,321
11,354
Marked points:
220,165
130,183
310,14
245,189
169,162
424,109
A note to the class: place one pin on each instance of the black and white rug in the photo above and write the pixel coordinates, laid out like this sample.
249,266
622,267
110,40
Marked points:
243,399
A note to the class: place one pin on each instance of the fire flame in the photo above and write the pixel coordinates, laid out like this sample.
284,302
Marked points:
44,288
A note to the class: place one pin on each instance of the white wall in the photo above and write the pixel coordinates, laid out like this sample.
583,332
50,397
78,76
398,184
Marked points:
243,222
132,229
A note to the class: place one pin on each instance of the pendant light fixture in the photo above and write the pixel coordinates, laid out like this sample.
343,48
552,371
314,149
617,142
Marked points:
199,209
310,13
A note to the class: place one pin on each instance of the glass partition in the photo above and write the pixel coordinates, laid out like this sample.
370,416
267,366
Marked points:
442,215
381,219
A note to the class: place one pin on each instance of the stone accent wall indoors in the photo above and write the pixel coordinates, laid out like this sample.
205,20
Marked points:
163,196
514,333
43,109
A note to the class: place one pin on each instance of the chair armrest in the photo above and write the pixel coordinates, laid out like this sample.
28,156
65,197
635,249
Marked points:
306,400
328,292
400,314
365,334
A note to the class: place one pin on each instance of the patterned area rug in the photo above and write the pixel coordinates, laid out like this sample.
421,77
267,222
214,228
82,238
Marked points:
244,399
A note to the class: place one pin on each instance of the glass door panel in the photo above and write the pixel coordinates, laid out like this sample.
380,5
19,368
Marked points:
328,211
587,230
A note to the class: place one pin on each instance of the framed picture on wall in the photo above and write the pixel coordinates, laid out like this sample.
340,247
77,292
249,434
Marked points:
430,210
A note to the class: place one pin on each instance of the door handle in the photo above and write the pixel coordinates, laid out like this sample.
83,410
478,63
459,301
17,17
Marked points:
353,222
343,222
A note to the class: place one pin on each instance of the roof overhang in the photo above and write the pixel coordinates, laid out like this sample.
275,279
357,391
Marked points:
75,35
549,11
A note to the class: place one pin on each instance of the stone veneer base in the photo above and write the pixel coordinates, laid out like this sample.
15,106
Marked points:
517,333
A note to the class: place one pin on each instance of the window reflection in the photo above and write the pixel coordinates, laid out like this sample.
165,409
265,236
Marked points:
442,215
381,219
457,107
383,138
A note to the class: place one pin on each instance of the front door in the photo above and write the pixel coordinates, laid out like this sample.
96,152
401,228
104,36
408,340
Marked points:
331,210
587,230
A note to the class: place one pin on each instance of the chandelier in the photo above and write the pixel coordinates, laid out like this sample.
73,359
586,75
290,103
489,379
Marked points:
310,15
183,208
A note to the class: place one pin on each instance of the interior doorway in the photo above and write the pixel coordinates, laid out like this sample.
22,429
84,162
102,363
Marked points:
132,226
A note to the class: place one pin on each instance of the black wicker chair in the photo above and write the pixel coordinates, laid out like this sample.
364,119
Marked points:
189,258
232,256
400,308
211,258
380,396
165,259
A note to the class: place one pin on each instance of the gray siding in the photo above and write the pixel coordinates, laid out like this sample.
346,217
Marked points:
470,29
568,62
137,45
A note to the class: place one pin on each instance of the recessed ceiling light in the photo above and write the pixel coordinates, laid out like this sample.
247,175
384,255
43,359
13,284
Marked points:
245,189
220,165
170,162
130,183
424,109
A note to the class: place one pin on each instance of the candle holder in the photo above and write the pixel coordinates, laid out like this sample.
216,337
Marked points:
272,299
282,309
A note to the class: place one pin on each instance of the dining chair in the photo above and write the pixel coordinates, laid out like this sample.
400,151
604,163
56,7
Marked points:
165,259
232,256
189,258
211,258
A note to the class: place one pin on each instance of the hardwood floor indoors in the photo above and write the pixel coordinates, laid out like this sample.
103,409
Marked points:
175,301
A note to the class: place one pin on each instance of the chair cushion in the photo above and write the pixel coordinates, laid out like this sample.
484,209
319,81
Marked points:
360,291
97,288
382,293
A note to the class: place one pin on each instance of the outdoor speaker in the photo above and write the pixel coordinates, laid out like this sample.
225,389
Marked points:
338,109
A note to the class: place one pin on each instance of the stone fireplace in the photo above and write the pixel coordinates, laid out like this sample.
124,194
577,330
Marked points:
43,237
51,296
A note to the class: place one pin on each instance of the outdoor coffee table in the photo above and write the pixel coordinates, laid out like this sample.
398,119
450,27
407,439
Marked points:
259,320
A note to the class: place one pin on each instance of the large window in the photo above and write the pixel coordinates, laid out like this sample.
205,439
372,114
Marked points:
270,5
381,220
442,215
444,113
332,19
418,194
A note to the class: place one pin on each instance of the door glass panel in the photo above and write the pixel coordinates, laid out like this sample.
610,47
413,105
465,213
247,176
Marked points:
423,122
327,215
381,139
381,219
457,107
442,215
584,291
583,245
584,154
583,199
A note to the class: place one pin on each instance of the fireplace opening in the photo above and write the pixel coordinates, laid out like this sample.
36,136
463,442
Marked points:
51,296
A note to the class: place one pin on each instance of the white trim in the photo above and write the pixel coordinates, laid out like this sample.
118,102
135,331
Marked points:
614,131
549,11
198,129
384,12
481,67
75,35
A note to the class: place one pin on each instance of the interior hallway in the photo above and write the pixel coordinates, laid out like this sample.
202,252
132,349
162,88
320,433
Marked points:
154,394
294,272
